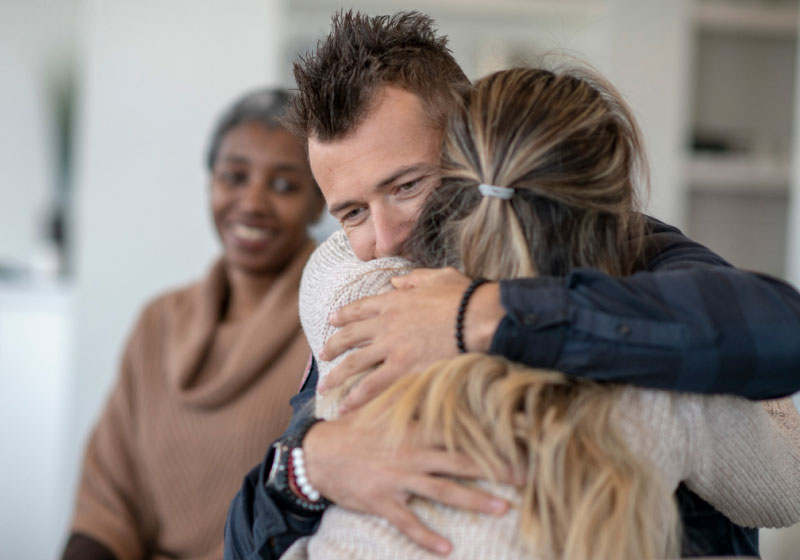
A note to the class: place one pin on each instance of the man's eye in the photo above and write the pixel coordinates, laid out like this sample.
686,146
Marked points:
352,216
410,186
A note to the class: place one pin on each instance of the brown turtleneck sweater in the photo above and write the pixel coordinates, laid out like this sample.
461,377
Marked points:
196,405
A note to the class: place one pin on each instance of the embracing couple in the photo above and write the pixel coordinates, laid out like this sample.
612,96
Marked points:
463,407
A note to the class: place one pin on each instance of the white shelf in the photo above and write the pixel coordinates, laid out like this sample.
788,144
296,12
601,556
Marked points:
740,16
738,174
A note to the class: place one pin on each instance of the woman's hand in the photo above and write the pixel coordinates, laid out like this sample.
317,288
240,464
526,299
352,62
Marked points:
406,330
352,465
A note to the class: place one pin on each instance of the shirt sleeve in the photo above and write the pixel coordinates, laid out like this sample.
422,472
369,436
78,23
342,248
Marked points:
688,321
257,527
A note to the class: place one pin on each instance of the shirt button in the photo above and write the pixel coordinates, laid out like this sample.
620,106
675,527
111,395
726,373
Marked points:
529,320
624,330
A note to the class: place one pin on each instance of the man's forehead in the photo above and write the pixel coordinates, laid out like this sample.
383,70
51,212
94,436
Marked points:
386,145
391,111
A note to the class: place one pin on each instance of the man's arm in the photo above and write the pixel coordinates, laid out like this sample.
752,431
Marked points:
256,524
687,322
690,322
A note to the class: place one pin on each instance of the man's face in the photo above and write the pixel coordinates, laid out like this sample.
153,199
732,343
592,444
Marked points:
376,179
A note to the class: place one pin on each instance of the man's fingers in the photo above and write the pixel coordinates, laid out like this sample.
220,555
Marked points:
402,282
448,463
358,310
369,387
350,336
401,517
422,274
457,495
356,362
460,466
415,277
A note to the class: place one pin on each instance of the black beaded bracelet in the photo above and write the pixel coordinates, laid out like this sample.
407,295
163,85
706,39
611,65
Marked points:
278,479
462,308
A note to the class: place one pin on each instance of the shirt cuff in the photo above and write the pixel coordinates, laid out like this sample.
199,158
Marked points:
535,326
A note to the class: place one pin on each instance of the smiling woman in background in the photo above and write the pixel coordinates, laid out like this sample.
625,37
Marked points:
209,369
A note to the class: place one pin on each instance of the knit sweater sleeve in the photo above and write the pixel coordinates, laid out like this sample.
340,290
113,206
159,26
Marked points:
744,460
334,277
109,500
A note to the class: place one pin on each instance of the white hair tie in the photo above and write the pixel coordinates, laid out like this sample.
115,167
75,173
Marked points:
498,192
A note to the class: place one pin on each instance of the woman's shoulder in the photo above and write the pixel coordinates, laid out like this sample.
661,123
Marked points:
334,261
334,268
334,277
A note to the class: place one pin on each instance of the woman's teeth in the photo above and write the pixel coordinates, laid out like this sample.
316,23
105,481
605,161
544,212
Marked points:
249,233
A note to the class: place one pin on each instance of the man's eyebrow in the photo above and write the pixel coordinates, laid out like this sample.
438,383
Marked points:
414,167
383,183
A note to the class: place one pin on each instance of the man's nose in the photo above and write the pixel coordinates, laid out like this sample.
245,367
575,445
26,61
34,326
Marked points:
389,235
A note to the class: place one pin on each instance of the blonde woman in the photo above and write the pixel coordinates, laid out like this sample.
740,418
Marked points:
539,175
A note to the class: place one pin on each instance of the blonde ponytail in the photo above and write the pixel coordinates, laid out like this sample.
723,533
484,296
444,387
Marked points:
568,145
504,252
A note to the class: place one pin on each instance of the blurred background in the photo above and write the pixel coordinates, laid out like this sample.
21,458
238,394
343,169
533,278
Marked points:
106,107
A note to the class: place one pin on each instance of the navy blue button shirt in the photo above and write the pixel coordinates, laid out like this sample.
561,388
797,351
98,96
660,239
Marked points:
688,322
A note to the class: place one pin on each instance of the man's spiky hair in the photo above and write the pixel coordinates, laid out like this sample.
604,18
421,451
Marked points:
362,53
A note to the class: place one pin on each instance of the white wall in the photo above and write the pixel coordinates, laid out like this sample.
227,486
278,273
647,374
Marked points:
793,233
154,75
35,36
650,64
35,332
483,35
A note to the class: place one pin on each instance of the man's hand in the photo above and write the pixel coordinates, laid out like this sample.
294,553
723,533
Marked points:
406,330
353,466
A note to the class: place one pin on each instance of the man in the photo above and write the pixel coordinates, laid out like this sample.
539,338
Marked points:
372,104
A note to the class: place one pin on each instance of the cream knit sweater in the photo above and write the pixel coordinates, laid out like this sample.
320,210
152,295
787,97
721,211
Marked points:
727,450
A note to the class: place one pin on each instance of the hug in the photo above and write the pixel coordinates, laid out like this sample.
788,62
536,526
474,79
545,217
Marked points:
509,358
